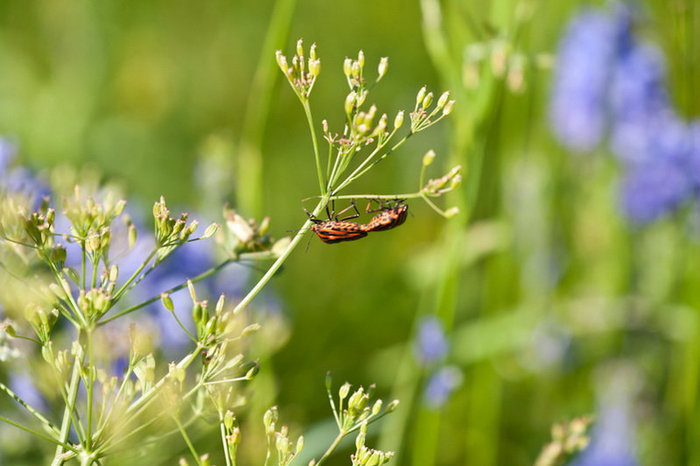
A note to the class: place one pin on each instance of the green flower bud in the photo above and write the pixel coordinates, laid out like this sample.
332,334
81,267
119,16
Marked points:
427,100
220,304
428,158
443,99
421,95
350,102
377,407
300,48
382,68
204,460
449,106
315,67
451,212
300,445
211,230
398,121
344,390
312,52
270,419
8,329
361,58
167,301
347,67
392,406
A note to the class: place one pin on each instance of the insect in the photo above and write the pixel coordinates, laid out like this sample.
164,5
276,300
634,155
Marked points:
388,217
336,230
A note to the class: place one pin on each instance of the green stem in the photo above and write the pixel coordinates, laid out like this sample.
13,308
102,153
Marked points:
143,265
38,434
187,440
333,446
224,443
283,257
196,279
89,386
317,156
67,414
35,413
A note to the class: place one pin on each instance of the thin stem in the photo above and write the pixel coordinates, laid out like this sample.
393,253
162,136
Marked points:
89,386
187,440
196,279
224,443
310,121
283,257
123,288
67,414
34,412
333,446
38,434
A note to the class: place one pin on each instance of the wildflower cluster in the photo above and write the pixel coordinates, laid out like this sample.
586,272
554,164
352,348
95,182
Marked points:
368,135
608,78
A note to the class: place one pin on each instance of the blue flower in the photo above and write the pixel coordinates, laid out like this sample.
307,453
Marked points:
639,102
441,385
661,180
431,343
579,106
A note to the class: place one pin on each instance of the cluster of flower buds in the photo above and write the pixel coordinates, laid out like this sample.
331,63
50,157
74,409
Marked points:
170,232
248,236
568,438
358,408
286,449
42,322
364,456
91,220
354,72
444,184
422,116
302,73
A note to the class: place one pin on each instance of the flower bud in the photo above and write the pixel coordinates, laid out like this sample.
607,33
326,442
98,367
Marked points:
344,390
428,158
451,212
398,121
312,52
347,67
448,107
167,301
382,68
300,48
361,58
443,99
350,102
315,67
427,100
421,95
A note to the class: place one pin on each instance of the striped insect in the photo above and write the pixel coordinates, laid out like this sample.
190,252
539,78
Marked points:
337,230
388,217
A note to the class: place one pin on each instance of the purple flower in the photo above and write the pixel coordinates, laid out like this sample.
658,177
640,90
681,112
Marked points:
640,103
431,343
441,385
584,61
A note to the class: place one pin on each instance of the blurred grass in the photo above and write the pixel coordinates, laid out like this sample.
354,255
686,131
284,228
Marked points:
135,88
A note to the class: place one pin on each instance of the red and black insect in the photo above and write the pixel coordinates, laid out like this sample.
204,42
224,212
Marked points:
388,217
336,230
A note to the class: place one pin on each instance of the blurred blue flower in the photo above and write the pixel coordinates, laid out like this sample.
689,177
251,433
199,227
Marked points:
579,107
639,102
8,152
431,344
441,385
654,189
611,442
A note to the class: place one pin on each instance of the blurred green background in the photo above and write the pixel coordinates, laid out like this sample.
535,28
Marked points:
547,296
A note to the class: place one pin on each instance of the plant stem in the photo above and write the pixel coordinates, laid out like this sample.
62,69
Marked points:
333,446
35,413
317,156
65,424
283,257
222,430
187,440
199,277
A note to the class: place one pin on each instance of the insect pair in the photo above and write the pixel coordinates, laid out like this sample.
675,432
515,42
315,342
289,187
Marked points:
336,230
